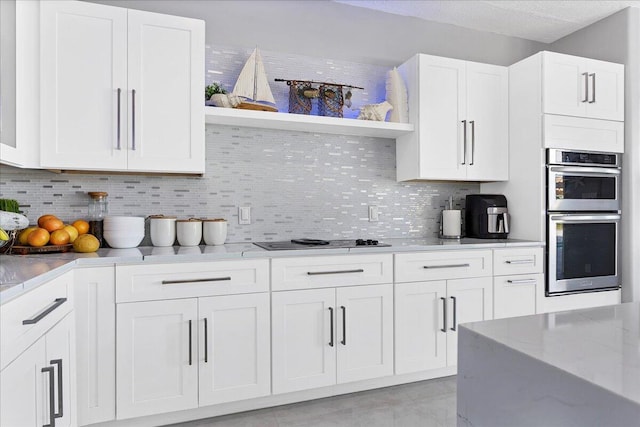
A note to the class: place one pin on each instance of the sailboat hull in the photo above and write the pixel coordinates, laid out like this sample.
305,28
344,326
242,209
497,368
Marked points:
254,105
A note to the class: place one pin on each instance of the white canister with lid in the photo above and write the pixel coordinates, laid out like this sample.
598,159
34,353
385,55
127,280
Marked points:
189,231
215,231
162,230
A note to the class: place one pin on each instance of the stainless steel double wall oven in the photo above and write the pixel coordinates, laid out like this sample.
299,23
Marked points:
583,220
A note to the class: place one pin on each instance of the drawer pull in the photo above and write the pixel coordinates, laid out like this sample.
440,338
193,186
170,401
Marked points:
57,303
212,279
519,261
522,281
447,266
317,273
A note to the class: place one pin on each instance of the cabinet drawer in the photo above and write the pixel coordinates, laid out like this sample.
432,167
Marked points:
517,261
144,282
330,271
583,134
442,265
515,295
27,318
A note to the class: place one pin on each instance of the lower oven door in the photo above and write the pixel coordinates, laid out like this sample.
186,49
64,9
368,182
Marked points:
582,252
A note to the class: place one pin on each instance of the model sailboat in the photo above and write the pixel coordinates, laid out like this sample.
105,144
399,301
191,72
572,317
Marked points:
252,86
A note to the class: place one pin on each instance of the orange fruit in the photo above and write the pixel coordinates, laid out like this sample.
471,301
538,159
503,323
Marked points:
38,237
81,225
52,224
24,234
86,243
44,218
59,237
73,232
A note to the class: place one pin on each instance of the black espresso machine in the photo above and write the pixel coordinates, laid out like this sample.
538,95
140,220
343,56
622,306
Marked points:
486,216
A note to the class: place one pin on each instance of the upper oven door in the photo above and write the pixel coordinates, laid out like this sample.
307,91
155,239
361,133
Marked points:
577,188
582,252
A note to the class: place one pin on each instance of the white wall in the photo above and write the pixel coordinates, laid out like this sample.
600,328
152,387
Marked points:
617,39
337,31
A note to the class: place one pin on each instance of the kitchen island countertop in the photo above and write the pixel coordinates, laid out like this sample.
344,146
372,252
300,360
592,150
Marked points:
578,367
20,273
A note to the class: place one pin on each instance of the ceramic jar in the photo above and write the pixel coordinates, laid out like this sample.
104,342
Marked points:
189,231
162,230
215,231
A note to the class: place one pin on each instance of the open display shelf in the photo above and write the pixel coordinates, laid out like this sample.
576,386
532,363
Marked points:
304,123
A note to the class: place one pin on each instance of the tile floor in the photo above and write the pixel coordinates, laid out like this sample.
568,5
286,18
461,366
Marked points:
427,403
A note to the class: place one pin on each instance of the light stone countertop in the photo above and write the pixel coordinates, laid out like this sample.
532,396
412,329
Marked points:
20,273
599,345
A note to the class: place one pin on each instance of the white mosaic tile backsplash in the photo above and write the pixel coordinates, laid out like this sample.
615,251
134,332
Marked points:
297,184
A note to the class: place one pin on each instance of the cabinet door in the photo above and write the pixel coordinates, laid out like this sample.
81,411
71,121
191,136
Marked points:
235,360
60,354
95,344
420,342
442,108
156,357
469,300
304,342
606,90
84,80
365,332
166,79
564,85
487,122
24,389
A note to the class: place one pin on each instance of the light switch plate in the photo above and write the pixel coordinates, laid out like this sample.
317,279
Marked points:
244,215
373,214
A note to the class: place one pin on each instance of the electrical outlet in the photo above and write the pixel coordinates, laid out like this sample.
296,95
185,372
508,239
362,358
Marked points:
373,213
244,215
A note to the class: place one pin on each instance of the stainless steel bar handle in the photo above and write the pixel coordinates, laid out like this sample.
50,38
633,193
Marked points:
585,170
331,326
473,142
212,279
568,218
52,419
444,314
464,142
190,352
344,325
317,273
593,88
455,312
60,391
586,87
206,341
446,266
133,119
56,303
522,281
519,261
118,119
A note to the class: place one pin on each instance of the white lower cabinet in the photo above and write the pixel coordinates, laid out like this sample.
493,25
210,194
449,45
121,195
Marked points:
427,318
234,336
37,388
179,354
322,337
518,278
95,344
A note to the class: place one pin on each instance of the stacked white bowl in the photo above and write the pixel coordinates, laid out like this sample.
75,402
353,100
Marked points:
123,231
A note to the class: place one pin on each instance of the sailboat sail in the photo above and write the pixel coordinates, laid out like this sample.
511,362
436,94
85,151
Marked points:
252,84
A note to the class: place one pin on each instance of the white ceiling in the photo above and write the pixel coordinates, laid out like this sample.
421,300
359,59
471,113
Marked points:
543,20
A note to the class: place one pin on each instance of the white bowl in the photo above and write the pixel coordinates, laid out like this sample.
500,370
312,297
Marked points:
123,240
122,220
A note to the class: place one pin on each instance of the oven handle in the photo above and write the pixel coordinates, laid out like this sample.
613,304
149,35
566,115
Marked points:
567,218
585,171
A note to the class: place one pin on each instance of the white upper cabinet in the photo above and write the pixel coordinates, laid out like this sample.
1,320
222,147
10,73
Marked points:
460,113
123,89
582,87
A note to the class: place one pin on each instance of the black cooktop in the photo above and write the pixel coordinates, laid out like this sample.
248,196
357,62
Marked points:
301,244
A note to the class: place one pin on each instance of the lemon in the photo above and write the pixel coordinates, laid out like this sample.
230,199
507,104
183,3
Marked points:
3,235
24,235
86,243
